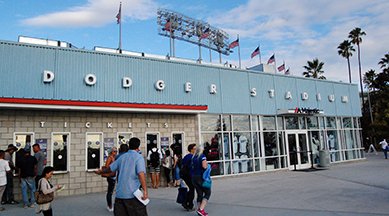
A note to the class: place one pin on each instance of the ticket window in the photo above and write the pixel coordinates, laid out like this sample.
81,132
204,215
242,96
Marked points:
123,138
60,152
178,139
151,139
21,141
94,152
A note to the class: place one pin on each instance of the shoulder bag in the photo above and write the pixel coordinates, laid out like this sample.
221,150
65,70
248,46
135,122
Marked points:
40,197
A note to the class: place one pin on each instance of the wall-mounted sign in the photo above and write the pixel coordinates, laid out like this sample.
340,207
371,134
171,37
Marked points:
302,111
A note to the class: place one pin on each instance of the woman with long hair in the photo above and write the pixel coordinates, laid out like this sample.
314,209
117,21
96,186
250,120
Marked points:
45,186
111,178
176,166
199,165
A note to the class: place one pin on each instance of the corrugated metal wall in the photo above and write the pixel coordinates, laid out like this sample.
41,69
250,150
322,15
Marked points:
22,67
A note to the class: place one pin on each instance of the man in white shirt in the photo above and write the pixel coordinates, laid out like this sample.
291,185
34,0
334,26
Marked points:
4,169
385,148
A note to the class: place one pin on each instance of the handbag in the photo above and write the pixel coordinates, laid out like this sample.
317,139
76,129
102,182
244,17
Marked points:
207,184
182,191
41,198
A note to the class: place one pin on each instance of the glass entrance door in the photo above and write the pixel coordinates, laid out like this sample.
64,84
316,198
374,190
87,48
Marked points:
297,143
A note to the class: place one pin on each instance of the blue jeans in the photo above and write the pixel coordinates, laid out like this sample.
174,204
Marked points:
176,173
202,192
26,183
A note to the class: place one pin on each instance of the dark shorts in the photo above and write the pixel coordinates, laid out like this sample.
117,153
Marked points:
156,170
129,207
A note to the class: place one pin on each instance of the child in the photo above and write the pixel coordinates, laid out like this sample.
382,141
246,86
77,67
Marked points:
167,165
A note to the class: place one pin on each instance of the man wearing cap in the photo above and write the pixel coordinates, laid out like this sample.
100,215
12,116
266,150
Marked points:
8,195
27,172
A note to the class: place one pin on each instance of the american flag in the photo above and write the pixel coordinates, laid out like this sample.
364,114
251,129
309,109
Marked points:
287,72
119,15
281,68
271,59
205,34
234,44
256,52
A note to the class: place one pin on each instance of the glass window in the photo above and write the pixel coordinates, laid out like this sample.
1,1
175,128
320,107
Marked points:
280,123
312,122
269,123
331,124
355,121
227,146
315,145
212,146
338,123
94,153
178,138
302,123
349,139
242,146
257,145
281,143
153,139
21,141
270,142
332,140
124,138
216,168
254,123
210,122
226,123
241,122
242,166
347,122
291,123
60,151
321,121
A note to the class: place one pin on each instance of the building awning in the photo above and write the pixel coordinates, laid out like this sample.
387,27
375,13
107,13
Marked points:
100,106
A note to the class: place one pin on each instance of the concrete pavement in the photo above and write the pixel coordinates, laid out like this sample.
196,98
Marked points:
355,188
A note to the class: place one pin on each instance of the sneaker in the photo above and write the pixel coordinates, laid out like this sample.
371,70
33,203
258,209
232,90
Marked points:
185,206
25,206
33,205
109,209
3,202
13,202
201,212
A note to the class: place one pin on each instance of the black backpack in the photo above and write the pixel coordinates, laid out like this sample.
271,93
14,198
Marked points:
154,158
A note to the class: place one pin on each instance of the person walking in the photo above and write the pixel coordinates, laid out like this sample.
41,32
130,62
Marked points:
199,164
111,178
167,167
188,200
40,157
27,172
154,157
4,169
385,148
132,169
8,195
46,187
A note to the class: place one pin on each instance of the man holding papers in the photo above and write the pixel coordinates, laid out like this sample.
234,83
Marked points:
132,175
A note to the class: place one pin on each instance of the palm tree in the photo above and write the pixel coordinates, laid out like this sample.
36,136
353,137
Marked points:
314,69
369,78
345,49
385,62
356,38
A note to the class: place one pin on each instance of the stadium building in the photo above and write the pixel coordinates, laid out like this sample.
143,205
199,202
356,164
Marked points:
78,103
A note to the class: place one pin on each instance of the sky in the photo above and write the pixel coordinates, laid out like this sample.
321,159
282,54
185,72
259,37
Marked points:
297,31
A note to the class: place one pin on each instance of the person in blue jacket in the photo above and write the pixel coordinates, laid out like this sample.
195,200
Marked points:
198,165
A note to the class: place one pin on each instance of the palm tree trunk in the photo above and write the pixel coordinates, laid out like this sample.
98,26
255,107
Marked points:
360,78
349,70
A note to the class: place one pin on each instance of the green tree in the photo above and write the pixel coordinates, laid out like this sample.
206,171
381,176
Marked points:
345,49
355,36
384,62
314,69
369,78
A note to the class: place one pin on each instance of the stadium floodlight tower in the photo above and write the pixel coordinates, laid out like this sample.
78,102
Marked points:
177,26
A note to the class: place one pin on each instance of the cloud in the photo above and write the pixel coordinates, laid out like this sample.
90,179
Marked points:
298,31
95,13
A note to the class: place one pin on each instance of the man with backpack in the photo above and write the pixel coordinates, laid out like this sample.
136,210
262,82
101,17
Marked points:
154,158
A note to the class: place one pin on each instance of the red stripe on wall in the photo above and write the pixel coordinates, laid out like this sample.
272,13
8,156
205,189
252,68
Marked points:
99,104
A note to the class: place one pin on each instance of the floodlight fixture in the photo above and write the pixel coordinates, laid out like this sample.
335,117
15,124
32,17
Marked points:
178,26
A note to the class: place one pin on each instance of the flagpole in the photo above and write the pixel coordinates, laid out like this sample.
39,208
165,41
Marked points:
259,49
120,28
239,52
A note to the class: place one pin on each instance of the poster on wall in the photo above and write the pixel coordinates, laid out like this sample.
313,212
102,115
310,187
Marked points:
43,145
164,143
108,144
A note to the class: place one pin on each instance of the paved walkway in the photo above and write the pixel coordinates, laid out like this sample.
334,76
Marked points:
360,188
